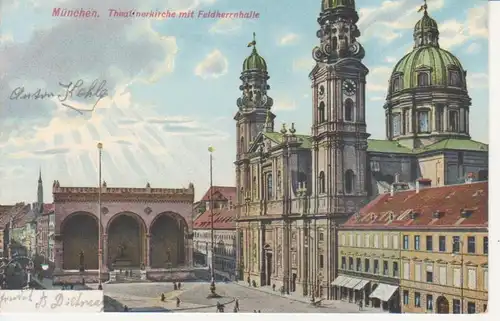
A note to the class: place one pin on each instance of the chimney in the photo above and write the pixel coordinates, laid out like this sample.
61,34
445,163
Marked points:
422,183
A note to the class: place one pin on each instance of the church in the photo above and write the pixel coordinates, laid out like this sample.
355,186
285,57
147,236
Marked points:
294,190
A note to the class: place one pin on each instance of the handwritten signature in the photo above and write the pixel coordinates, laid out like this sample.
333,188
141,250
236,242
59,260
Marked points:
46,300
96,91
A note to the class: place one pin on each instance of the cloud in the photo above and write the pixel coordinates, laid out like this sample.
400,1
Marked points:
473,48
388,21
303,64
477,80
378,79
288,39
214,65
226,26
284,104
391,59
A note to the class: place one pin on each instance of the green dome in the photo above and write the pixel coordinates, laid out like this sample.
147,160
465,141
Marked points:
331,4
428,57
254,62
425,24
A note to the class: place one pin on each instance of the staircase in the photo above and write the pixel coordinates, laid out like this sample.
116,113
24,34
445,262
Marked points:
129,276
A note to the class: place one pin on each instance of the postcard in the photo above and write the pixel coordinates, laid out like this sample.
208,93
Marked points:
320,156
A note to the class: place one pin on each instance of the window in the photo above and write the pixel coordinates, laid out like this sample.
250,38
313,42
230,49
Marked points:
423,122
455,79
375,241
406,297
442,275
395,242
386,241
442,243
456,306
351,263
321,236
471,307
322,182
485,280
406,270
386,268
407,126
396,124
471,279
485,245
417,242
342,239
375,267
418,272
471,244
367,240
321,261
395,269
269,186
343,263
429,274
351,240
457,277
395,84
417,299
358,241
349,181
456,244
348,110
428,242
453,121
429,302
367,265
423,79
321,112
358,264
405,242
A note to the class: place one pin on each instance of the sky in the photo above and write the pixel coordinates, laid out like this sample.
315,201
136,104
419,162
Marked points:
172,84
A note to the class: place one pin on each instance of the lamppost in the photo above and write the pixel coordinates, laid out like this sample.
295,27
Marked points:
212,293
461,253
99,147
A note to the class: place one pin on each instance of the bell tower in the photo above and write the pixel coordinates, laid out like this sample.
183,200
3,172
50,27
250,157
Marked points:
339,125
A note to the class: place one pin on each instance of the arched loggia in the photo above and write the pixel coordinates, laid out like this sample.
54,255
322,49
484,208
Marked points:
168,241
80,235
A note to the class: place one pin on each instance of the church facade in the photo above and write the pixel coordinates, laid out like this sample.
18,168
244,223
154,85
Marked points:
294,190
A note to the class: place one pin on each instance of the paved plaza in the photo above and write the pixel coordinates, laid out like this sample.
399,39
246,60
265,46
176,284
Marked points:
145,297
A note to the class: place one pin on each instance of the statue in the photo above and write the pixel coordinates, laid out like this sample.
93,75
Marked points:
82,261
121,250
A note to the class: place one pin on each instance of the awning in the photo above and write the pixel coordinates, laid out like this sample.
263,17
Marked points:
339,280
346,280
361,285
352,283
384,292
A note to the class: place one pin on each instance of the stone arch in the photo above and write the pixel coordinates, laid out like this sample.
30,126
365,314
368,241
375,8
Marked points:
168,232
80,234
126,240
442,305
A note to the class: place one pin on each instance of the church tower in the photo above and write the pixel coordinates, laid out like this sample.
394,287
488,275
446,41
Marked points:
39,193
253,116
339,125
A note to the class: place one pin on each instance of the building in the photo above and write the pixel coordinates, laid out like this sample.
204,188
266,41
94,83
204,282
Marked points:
422,250
224,254
4,226
149,227
223,196
45,233
294,189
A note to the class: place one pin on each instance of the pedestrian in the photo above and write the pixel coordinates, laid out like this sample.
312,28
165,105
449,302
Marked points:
274,287
72,286
235,310
125,309
248,280
178,301
162,298
237,304
360,305
175,286
259,311
179,286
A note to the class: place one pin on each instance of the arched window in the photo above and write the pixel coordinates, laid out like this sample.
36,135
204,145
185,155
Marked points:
349,110
254,187
423,79
321,182
269,186
321,112
453,121
455,80
395,84
349,181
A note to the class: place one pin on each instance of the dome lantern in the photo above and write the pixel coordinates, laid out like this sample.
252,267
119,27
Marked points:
254,62
426,32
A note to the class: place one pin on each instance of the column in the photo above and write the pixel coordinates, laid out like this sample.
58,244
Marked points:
445,118
262,242
105,252
147,258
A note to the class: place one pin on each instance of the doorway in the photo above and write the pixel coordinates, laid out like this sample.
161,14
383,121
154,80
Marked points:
294,282
443,307
269,267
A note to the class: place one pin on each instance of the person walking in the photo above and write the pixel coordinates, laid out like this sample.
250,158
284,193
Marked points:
237,305
178,301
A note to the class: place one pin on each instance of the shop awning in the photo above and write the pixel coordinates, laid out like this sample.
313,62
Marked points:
352,283
384,292
339,279
346,280
361,285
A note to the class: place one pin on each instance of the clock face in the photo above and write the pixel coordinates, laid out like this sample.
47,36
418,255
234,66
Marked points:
349,87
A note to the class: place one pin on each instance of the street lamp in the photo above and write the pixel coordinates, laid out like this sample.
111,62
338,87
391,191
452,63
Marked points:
99,259
212,293
461,253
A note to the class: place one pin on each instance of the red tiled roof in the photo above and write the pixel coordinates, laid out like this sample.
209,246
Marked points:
221,193
224,219
434,207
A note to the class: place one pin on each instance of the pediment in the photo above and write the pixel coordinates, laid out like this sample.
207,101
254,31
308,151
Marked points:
350,65
261,138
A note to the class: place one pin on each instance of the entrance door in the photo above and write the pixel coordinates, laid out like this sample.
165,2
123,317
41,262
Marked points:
269,267
294,281
443,307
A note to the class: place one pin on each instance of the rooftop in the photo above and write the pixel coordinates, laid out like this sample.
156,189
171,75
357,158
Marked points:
220,193
224,219
453,206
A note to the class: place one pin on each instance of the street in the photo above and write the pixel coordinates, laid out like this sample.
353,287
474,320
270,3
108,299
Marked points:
145,297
